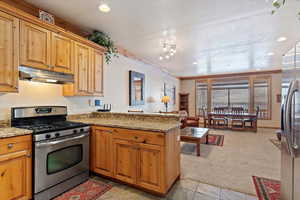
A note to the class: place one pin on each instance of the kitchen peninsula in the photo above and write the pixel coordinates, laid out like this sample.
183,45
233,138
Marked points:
142,150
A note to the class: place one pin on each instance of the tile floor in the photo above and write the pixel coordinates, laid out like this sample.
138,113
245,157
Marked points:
183,190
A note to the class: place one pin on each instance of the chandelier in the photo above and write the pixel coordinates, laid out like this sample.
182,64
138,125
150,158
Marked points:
168,44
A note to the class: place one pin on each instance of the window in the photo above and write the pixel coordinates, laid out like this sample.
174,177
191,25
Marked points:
201,97
233,93
261,97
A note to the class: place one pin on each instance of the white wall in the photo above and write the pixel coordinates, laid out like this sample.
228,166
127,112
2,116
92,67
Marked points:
116,90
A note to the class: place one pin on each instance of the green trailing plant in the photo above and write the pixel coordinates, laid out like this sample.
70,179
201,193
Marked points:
105,41
277,4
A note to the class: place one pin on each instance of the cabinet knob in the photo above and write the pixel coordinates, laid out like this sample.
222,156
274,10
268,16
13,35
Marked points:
3,173
9,146
136,137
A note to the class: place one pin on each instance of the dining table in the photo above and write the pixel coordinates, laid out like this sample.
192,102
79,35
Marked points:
248,116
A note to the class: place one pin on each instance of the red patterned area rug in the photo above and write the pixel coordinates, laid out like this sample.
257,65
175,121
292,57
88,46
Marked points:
267,189
89,190
217,140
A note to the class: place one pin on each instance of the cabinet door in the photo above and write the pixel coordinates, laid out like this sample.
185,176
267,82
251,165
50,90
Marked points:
35,46
61,57
97,73
124,161
9,53
101,151
15,176
150,167
82,59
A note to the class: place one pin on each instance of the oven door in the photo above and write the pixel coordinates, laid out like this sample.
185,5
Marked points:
60,159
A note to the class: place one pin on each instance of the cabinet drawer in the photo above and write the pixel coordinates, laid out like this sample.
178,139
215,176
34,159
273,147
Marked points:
146,137
14,144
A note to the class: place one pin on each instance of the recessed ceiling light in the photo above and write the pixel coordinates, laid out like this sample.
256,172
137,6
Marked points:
161,58
104,7
281,39
167,56
195,63
270,54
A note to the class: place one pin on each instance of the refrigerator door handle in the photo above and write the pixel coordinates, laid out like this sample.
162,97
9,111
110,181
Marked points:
292,143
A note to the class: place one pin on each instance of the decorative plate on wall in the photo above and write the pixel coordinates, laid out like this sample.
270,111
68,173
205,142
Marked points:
46,17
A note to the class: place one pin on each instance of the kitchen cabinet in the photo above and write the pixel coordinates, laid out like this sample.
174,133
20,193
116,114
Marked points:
145,159
124,158
88,72
35,46
15,168
9,54
81,64
101,151
61,54
96,73
150,160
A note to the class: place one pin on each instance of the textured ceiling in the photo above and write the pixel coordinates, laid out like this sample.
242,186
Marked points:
220,36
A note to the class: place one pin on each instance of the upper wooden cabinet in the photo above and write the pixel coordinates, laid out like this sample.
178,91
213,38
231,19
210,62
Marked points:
35,46
88,72
61,53
9,54
96,73
16,168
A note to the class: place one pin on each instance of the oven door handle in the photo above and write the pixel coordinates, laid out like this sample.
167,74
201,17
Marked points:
47,144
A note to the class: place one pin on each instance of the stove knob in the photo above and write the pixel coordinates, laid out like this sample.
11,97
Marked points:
48,136
81,130
57,134
75,131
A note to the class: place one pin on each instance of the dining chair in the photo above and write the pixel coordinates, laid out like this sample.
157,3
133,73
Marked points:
205,117
219,121
237,121
253,120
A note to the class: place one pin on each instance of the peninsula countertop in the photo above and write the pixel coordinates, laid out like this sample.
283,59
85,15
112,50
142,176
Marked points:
12,132
146,122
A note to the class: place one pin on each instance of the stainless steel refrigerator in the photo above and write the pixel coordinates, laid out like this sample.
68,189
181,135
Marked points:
290,116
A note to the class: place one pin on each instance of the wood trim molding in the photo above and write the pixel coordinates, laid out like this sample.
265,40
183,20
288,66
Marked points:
28,12
33,10
274,71
16,12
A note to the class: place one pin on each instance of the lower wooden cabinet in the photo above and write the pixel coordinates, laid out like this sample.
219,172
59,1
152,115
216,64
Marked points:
149,169
15,168
148,160
124,160
101,151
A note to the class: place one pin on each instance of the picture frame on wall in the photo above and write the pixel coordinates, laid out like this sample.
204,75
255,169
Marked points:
136,88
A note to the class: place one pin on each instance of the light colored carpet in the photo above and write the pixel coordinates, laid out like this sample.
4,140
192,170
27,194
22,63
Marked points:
232,166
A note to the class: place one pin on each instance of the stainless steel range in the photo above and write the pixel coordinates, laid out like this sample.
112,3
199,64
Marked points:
60,149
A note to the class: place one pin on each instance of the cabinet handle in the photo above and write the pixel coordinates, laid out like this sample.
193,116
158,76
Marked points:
3,173
136,137
10,146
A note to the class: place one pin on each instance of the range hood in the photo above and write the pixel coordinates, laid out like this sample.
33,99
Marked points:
44,76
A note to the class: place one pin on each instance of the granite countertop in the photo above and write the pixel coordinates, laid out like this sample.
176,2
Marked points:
11,132
131,124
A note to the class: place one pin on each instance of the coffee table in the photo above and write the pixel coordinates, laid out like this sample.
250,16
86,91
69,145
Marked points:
194,135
